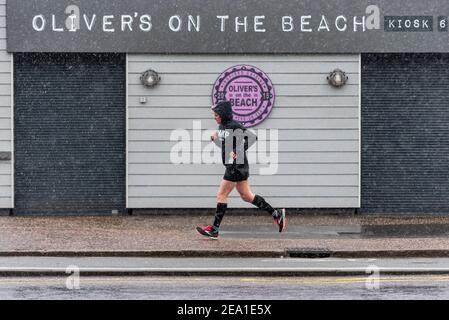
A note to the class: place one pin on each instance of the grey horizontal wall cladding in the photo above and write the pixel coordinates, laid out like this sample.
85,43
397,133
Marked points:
205,101
288,191
5,101
242,58
5,65
5,171
284,135
283,157
314,123
6,180
234,202
5,123
282,90
405,134
269,67
217,169
174,79
6,134
5,146
5,89
204,113
318,129
282,145
256,180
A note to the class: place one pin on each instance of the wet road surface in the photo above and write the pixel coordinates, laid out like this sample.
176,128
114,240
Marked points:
263,288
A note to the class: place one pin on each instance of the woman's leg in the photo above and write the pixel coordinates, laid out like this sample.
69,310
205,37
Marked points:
244,190
247,195
243,187
222,201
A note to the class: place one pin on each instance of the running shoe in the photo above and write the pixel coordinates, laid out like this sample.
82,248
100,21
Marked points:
208,231
280,219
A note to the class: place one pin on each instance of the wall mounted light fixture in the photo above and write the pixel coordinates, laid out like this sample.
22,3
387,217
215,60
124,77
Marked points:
337,78
150,78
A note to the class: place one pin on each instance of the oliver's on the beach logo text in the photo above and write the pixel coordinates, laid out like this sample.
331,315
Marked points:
250,92
73,20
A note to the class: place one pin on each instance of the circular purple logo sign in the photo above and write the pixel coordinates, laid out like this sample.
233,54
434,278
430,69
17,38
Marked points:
250,92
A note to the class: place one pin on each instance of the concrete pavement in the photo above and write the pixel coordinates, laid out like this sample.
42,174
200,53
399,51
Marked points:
241,236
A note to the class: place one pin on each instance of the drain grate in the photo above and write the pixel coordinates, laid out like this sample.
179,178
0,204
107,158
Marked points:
308,253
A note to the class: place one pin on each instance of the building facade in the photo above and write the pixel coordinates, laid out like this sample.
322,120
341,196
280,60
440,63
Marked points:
81,134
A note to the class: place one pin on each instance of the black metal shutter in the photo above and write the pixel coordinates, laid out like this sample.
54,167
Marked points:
69,137
405,133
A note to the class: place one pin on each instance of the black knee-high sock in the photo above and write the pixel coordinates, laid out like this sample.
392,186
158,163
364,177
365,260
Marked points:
221,210
262,204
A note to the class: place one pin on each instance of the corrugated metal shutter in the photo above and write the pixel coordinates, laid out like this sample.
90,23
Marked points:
405,133
70,120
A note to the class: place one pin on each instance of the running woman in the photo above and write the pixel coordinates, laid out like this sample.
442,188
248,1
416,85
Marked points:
234,140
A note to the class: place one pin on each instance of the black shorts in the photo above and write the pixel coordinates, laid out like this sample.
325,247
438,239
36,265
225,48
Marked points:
236,173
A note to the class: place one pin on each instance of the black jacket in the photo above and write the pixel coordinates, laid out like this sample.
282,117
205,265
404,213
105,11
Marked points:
232,136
